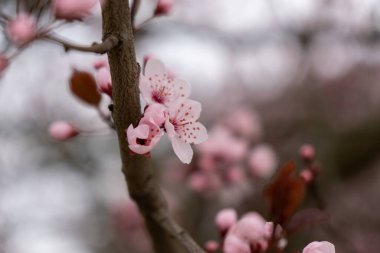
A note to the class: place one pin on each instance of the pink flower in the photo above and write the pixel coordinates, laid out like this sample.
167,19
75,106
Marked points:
251,227
103,79
225,219
158,86
62,131
157,112
22,29
144,137
164,7
183,129
262,161
223,144
235,244
3,64
319,247
72,9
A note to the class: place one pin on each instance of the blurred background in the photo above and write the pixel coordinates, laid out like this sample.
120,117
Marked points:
272,75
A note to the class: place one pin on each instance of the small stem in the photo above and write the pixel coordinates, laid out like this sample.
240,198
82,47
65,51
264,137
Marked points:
106,118
99,48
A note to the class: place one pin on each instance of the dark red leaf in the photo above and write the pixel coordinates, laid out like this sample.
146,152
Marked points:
285,193
83,86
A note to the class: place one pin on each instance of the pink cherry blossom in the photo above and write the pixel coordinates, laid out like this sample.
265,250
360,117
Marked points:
225,219
144,137
158,86
262,161
235,244
164,7
22,29
157,112
251,227
224,145
103,79
183,129
62,131
319,247
72,9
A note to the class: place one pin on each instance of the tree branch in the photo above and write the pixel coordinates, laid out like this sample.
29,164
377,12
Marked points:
99,48
167,236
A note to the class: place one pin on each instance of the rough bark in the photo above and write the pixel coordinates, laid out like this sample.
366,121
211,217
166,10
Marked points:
167,236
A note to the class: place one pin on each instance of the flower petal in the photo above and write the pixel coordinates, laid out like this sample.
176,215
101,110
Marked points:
145,89
193,132
184,111
182,149
154,68
181,89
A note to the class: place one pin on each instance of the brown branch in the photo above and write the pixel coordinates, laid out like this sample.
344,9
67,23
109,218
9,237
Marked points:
167,236
99,48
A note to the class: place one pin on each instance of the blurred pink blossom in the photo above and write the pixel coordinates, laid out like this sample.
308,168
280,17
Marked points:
307,175
183,129
262,161
211,246
307,152
62,131
197,182
319,247
22,29
144,137
251,228
222,144
157,86
235,244
244,123
164,7
225,219
72,9
235,174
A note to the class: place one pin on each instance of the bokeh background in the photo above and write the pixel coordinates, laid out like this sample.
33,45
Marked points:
272,75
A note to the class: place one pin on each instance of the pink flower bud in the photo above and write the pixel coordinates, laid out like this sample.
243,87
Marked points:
225,219
307,175
103,78
319,247
251,227
70,10
101,64
62,131
3,64
22,29
211,246
164,7
262,161
307,152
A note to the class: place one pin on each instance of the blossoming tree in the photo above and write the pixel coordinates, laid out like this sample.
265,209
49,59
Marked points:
167,109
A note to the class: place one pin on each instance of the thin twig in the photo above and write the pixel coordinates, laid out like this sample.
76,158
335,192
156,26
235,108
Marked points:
99,48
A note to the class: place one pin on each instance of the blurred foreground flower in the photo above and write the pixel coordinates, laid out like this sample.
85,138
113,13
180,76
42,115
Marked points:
22,29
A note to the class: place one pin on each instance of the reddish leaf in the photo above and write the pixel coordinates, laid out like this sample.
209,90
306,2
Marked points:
306,218
285,193
83,86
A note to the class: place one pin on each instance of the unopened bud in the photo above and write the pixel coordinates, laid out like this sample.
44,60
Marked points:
307,152
163,7
307,175
211,246
22,29
62,130
225,219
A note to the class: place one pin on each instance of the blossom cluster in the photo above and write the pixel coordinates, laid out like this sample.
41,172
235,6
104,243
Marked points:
252,234
169,110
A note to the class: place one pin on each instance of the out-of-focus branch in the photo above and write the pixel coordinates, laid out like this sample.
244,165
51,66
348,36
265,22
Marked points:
99,48
167,236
